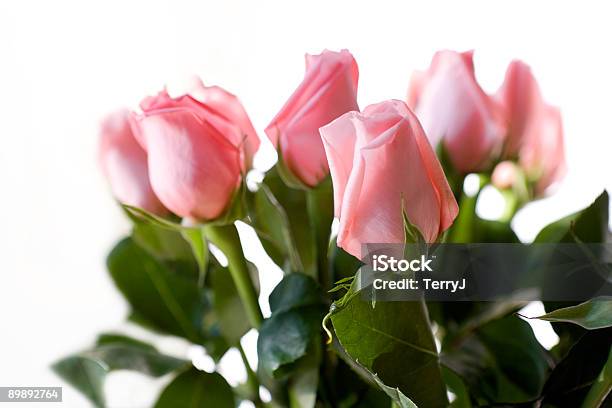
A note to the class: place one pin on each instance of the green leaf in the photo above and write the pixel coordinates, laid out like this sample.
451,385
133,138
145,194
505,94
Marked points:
271,222
571,379
114,338
278,215
294,291
162,243
284,338
456,385
199,248
197,389
87,370
602,387
589,225
167,298
233,321
192,234
368,377
394,341
464,318
350,388
593,314
122,355
396,395
501,362
85,375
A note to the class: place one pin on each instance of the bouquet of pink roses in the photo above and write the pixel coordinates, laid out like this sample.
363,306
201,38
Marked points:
392,173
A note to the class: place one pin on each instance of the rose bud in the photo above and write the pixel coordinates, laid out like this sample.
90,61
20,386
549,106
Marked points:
199,147
520,98
542,154
535,130
380,160
328,90
452,107
505,175
124,164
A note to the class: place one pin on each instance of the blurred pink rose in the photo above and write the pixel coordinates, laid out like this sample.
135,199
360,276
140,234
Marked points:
328,90
199,146
379,159
535,130
124,164
452,107
542,154
521,100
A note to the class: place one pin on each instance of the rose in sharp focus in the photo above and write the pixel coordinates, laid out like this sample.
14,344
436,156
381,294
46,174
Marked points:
199,147
380,160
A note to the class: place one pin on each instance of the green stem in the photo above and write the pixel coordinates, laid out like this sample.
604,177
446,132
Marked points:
252,381
601,387
319,203
225,237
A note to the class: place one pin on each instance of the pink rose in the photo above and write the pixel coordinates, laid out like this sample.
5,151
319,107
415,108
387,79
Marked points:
535,130
542,154
452,107
521,99
379,159
124,164
199,146
328,90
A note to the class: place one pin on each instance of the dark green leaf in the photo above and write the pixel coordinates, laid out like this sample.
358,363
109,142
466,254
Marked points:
116,338
394,341
396,395
130,357
294,291
501,362
593,314
279,216
148,232
197,389
599,393
589,225
573,376
284,338
166,298
271,222
233,321
351,389
85,375
87,370
456,386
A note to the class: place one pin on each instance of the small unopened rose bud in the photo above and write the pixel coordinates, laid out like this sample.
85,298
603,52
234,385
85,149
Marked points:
505,175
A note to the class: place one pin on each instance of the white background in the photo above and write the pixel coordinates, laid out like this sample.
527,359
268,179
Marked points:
65,64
